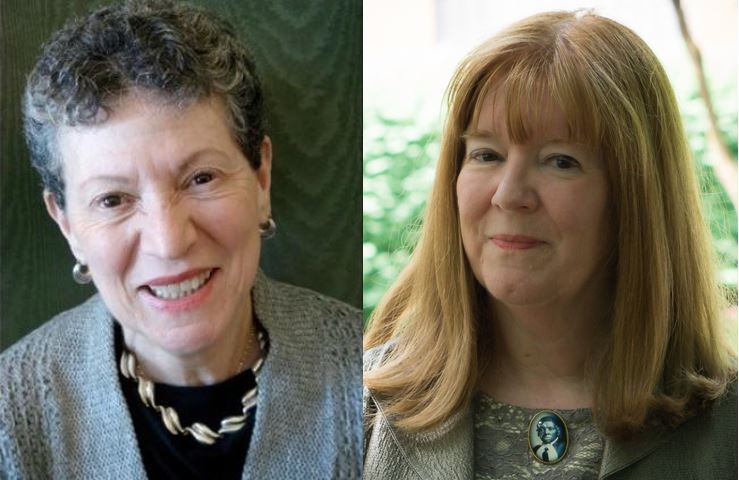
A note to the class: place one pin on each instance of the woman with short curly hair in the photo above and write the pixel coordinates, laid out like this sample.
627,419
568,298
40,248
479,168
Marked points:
145,121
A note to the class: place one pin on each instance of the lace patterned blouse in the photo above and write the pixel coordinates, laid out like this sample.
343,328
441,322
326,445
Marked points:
502,448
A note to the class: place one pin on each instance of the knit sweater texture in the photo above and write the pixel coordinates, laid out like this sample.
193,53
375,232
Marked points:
63,414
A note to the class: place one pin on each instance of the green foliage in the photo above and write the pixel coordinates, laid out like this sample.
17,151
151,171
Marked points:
719,211
399,161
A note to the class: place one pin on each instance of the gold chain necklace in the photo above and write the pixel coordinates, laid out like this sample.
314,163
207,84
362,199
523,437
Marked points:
199,431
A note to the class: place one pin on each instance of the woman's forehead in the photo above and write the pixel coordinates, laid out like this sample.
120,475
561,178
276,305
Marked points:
139,133
518,119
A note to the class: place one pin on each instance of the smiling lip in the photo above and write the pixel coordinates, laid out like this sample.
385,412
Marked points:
180,277
515,242
182,304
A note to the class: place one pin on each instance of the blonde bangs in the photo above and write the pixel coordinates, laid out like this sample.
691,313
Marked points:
531,87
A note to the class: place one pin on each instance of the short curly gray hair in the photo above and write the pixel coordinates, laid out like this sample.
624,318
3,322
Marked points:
179,52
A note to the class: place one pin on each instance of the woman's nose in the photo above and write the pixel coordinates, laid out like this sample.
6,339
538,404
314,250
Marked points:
515,190
168,230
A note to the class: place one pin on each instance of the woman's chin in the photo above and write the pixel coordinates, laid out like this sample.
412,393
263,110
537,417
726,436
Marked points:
184,340
518,293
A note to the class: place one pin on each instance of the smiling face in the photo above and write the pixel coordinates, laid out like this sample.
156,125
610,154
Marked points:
165,210
533,216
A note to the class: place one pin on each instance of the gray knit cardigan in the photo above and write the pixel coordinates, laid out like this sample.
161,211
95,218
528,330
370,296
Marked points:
63,414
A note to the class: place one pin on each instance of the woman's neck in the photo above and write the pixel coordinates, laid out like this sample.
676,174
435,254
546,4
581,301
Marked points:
216,363
539,353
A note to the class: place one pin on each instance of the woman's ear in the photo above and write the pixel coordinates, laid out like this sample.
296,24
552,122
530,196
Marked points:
58,214
264,177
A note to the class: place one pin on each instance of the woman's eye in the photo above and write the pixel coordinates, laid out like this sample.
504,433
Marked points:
202,178
484,156
564,162
111,201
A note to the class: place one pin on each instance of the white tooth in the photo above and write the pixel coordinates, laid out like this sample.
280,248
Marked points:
182,289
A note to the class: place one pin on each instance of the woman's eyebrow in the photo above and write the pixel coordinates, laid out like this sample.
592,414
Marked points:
477,133
560,140
186,165
198,155
121,180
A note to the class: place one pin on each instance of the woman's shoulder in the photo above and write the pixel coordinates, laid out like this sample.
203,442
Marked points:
36,371
374,356
63,334
51,350
724,408
723,415
372,359
277,302
704,446
715,424
444,451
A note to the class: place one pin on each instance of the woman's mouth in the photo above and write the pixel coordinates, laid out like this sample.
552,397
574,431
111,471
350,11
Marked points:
175,291
180,293
515,242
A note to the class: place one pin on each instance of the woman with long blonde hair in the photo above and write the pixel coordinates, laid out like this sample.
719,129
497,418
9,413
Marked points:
560,316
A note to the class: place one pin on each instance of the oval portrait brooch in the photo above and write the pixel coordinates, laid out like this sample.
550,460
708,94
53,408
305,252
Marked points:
548,437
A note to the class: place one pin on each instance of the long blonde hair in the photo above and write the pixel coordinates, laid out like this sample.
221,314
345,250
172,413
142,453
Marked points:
665,355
